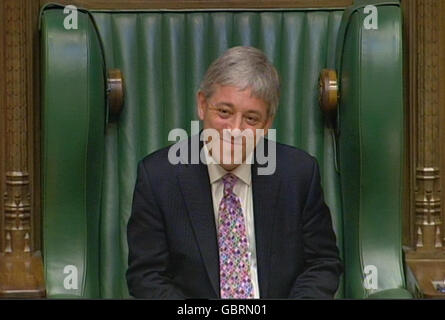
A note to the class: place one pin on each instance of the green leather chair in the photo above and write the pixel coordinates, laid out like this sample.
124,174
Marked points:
89,162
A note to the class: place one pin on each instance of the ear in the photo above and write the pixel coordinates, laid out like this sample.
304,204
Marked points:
202,104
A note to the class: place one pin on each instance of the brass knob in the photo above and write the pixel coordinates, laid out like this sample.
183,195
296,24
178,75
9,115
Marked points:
115,91
329,95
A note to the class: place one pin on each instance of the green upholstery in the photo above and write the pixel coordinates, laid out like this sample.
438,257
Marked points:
163,56
397,293
371,149
73,113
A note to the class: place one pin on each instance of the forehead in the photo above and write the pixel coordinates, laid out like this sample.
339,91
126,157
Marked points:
237,97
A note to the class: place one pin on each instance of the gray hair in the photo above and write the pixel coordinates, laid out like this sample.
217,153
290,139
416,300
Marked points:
245,67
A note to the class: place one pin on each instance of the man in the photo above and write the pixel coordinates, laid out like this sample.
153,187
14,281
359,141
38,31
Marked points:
221,229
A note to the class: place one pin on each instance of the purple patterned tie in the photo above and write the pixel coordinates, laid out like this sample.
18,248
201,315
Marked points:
234,264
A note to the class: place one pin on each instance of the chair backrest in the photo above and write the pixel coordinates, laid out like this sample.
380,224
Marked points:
163,56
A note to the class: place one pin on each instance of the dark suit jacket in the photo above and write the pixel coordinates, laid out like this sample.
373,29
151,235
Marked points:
173,248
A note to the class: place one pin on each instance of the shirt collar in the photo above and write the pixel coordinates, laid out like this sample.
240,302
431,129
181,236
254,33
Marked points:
216,172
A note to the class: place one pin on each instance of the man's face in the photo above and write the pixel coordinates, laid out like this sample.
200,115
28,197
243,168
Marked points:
230,108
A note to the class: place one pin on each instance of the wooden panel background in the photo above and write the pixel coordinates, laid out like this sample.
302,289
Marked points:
424,36
203,4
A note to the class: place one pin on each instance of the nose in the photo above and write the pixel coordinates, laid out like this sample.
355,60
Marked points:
237,122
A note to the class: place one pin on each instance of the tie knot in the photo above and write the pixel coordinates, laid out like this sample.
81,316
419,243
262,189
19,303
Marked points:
229,181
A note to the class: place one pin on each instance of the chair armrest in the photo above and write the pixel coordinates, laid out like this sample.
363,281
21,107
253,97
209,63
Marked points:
397,293
412,284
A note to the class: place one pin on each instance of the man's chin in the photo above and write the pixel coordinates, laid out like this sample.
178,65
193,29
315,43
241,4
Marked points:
229,167
230,154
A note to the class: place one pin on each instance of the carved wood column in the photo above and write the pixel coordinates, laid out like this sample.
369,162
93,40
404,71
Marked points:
425,85
21,271
428,206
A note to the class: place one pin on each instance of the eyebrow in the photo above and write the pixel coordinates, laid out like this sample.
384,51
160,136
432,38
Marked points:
231,105
218,104
255,112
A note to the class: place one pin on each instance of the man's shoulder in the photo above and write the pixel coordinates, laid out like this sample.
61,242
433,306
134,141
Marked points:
293,158
163,161
157,159
288,151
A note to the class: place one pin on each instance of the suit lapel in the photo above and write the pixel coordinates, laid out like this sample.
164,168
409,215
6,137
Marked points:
265,191
195,186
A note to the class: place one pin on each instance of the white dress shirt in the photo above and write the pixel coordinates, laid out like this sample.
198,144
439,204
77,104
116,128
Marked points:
243,189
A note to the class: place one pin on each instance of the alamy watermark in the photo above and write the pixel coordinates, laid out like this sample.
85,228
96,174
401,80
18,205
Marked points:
371,20
233,147
71,20
70,282
371,277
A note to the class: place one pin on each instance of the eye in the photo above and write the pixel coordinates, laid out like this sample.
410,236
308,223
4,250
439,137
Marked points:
223,112
252,120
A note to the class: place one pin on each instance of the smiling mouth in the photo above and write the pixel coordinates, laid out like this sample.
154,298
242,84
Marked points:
232,142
